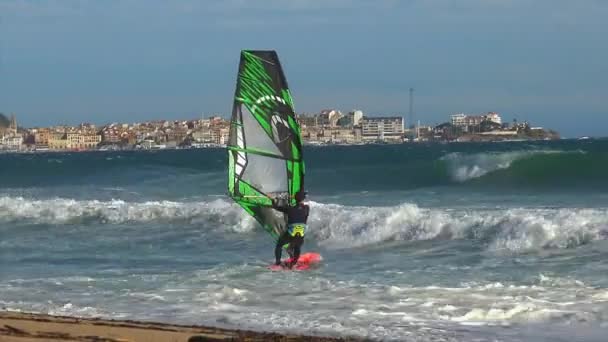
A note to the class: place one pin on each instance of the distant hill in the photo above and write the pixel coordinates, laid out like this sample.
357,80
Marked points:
4,121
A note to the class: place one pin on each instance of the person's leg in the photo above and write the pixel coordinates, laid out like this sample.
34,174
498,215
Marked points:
296,244
278,249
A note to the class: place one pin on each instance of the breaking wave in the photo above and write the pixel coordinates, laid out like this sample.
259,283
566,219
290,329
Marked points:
516,230
549,169
464,167
70,211
513,230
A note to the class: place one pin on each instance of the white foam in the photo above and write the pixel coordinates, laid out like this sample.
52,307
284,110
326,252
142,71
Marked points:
70,211
511,230
496,314
323,305
602,296
514,230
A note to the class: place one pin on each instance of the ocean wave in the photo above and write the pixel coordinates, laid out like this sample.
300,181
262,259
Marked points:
525,168
516,230
512,230
549,169
463,167
70,211
329,170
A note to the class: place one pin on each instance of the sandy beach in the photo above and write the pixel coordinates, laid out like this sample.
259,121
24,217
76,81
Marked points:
28,327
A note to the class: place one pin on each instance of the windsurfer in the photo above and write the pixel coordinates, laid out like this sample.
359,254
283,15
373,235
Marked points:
297,216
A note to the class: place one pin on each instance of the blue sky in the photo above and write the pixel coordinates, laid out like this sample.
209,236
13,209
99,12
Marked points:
66,61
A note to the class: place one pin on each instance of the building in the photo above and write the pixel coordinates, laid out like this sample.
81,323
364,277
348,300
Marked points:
115,134
329,118
463,120
494,117
311,134
203,123
341,135
10,139
11,142
382,128
220,135
351,120
355,117
178,135
41,137
307,120
202,136
58,141
74,140
473,120
216,135
87,141
458,120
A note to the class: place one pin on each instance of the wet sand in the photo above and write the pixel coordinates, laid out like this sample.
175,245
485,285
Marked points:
27,327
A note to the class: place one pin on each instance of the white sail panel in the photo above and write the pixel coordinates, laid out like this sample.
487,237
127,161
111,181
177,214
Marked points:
266,174
255,136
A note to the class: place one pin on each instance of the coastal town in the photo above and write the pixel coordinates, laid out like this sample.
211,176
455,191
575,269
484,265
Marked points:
327,127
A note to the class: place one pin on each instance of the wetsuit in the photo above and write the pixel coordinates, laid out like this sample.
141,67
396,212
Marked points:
294,235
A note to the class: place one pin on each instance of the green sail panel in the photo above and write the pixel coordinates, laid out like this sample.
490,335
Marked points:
265,146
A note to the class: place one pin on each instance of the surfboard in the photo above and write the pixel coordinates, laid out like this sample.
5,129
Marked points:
305,262
265,158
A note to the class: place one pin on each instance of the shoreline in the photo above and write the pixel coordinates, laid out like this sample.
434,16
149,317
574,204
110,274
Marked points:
306,144
35,327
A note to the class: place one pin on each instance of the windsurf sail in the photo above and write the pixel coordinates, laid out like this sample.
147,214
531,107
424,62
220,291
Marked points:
265,146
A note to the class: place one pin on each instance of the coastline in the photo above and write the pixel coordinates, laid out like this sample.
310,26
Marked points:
306,143
34,327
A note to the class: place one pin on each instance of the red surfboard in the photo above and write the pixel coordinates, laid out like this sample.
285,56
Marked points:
305,262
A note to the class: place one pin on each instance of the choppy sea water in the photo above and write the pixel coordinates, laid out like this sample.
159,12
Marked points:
462,242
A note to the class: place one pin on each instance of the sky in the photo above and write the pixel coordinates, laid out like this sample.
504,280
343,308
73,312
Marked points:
544,61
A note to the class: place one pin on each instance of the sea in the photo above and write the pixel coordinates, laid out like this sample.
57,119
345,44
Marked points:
504,241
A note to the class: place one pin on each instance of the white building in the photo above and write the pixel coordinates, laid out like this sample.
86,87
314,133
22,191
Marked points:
220,135
494,117
355,117
202,136
11,142
382,128
458,119
329,117
9,138
462,120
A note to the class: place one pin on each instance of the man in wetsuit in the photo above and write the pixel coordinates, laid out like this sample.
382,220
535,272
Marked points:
297,216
